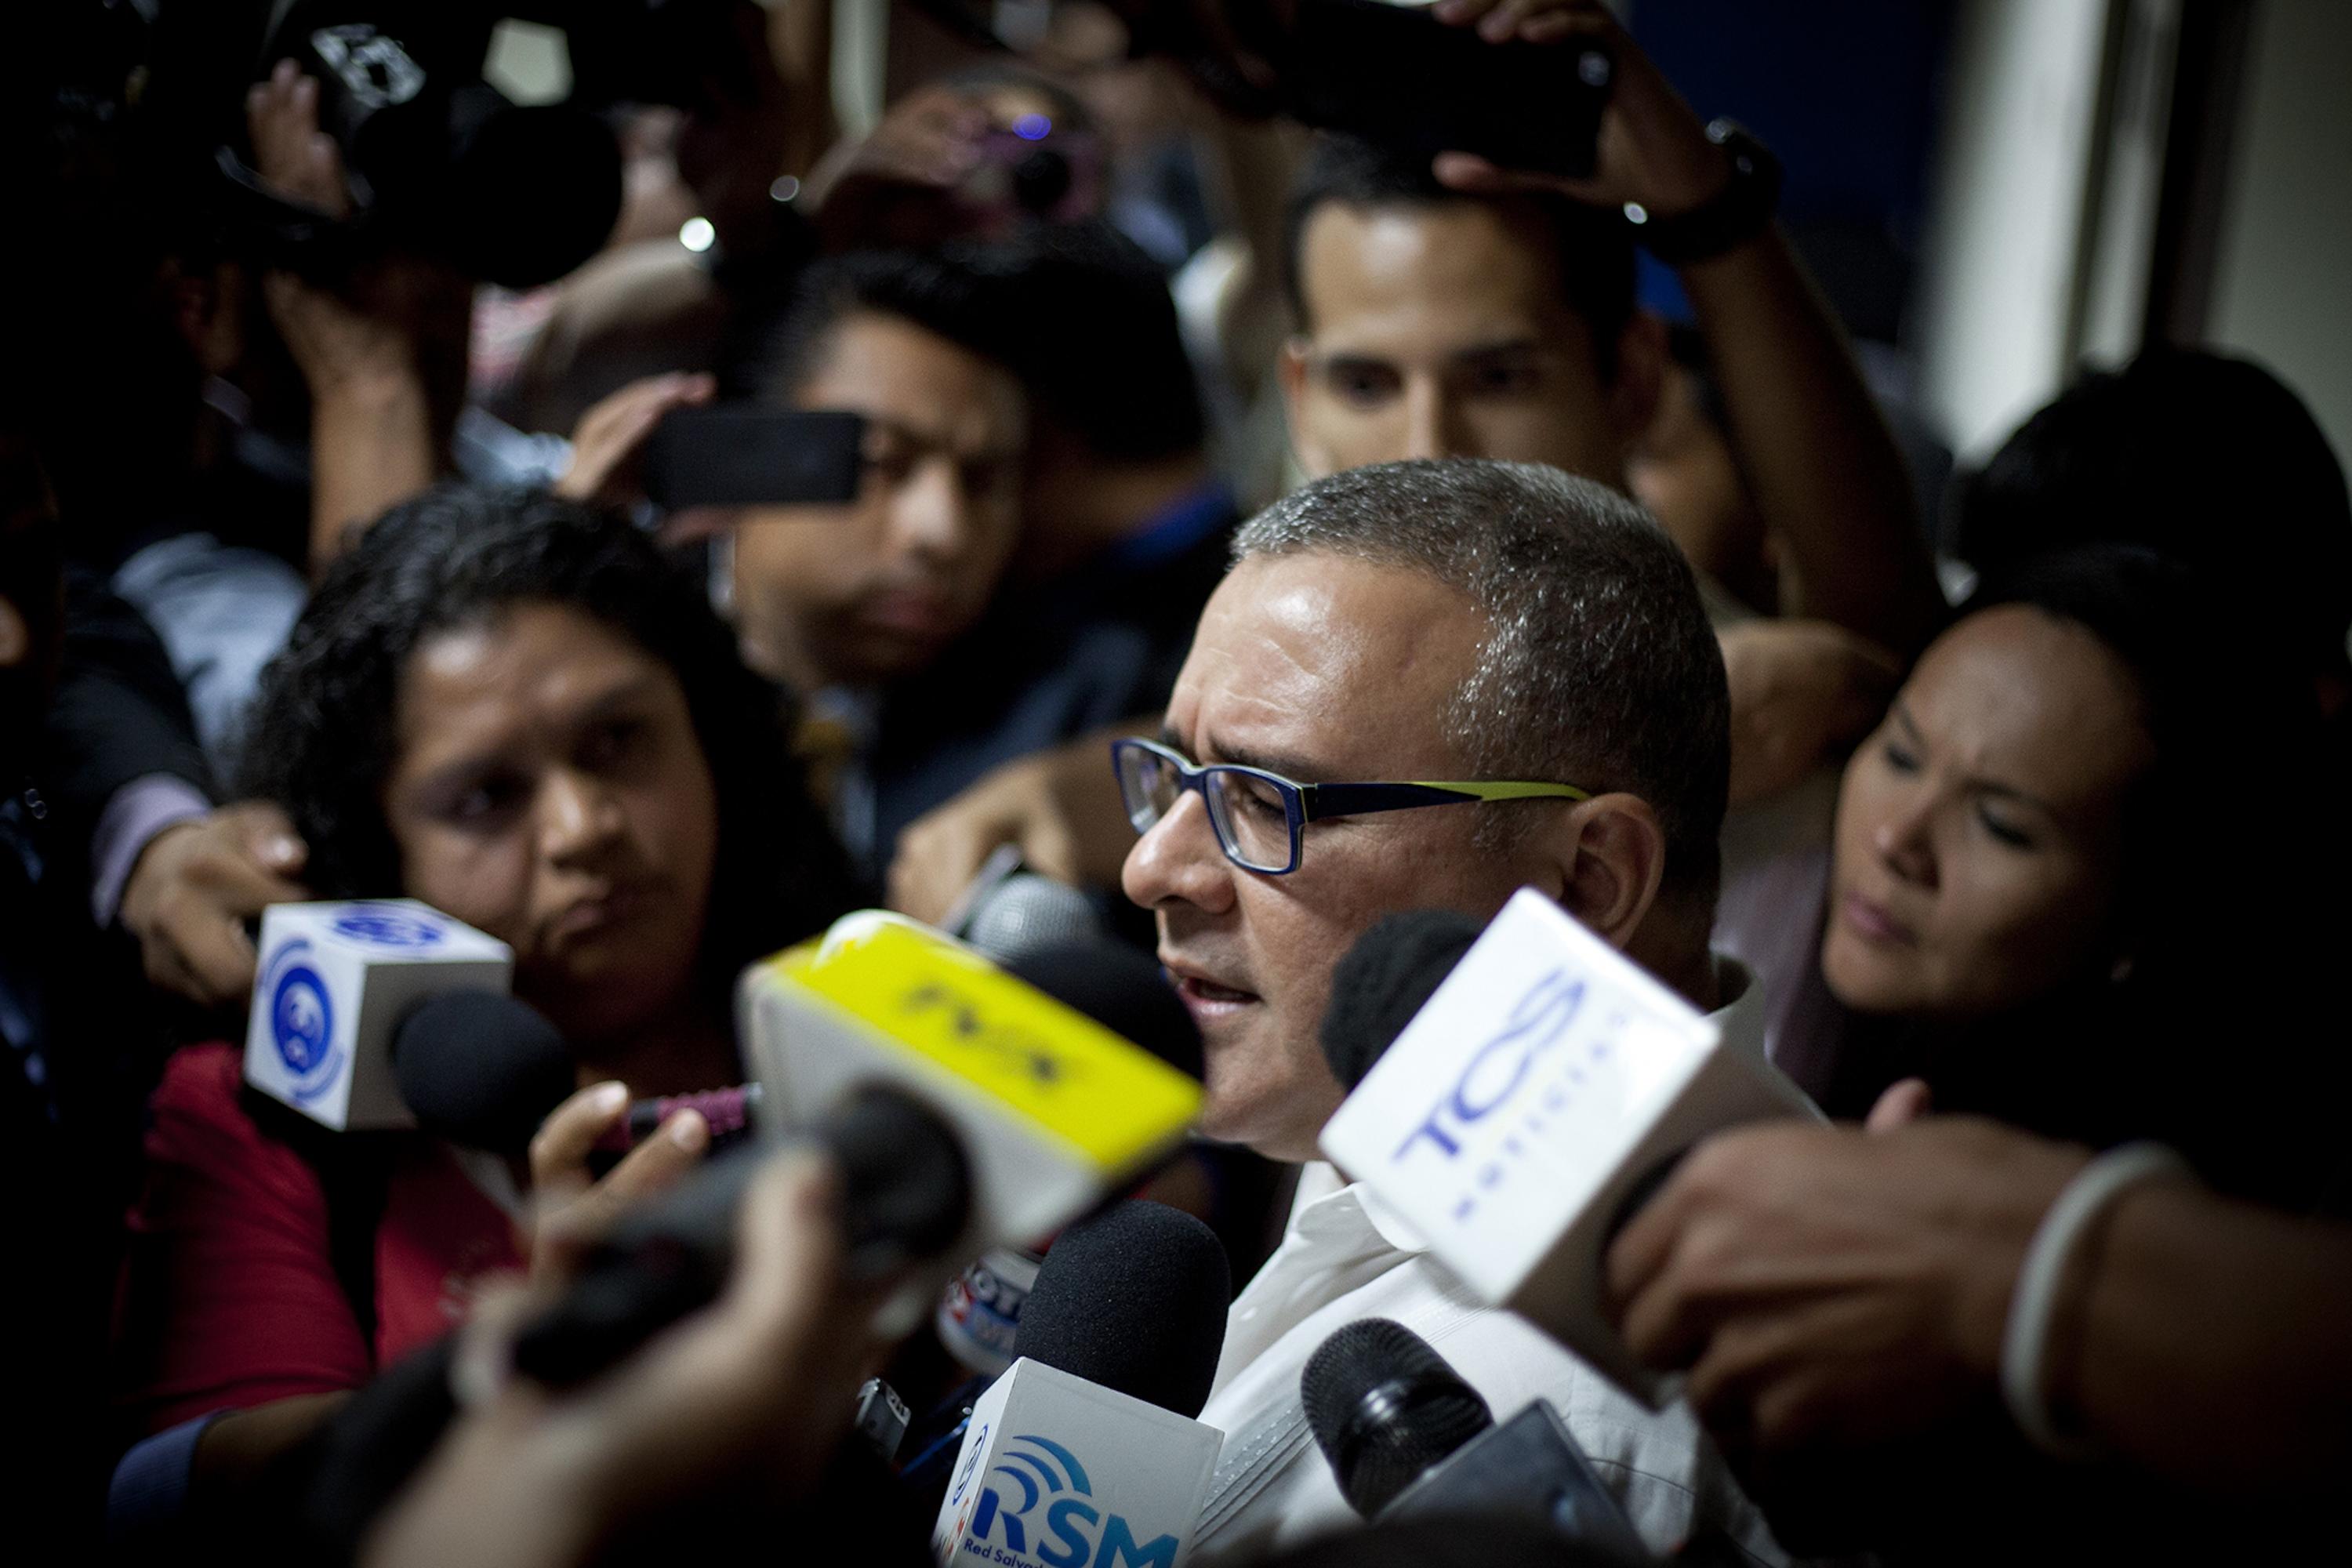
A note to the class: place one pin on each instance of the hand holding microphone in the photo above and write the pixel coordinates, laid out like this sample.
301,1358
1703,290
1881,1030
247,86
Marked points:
1840,1300
571,1207
742,1403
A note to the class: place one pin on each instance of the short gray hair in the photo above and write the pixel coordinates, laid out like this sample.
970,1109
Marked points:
1598,668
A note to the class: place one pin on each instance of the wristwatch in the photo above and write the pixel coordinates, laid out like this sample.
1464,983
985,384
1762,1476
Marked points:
1737,213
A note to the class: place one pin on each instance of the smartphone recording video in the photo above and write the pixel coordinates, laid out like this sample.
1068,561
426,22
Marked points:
1394,75
744,454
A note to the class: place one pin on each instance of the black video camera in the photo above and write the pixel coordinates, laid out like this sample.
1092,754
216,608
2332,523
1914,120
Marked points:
514,183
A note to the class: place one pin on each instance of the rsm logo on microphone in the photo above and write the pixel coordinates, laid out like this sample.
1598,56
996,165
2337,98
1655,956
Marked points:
1520,1070
1036,1507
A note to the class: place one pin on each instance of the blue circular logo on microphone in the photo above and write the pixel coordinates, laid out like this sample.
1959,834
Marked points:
382,925
301,1021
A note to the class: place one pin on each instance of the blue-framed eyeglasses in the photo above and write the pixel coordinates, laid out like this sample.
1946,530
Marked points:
1258,816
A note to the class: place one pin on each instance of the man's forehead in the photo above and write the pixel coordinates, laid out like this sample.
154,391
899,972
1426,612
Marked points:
1462,270
912,381
1342,662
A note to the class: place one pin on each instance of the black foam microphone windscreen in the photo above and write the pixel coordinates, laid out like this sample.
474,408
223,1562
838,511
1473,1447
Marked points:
1120,988
1385,1407
482,1070
1383,980
1133,1299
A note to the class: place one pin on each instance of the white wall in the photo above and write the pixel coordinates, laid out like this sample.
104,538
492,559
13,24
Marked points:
2006,238
2283,276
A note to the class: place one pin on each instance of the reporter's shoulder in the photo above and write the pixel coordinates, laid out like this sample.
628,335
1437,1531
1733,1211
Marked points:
203,1080
198,1118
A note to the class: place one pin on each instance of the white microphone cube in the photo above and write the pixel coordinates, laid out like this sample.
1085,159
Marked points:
1545,1083
334,981
1057,1471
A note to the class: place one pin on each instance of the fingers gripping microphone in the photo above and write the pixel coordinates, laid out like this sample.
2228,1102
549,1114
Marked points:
1408,1439
905,1191
1087,1448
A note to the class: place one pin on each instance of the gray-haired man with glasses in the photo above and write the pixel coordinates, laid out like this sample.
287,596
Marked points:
1526,650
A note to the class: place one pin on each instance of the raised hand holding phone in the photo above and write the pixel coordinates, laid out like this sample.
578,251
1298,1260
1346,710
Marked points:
1653,150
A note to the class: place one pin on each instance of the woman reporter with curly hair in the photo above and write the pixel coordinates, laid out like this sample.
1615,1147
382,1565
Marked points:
516,710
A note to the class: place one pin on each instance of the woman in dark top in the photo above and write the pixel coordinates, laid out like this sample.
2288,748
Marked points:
2064,880
518,710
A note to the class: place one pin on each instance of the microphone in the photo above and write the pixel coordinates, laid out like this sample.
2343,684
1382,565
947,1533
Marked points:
1008,911
1133,1299
967,1108
979,1317
729,1113
1528,1106
484,1070
937,1080
1087,1448
1059,1109
905,1187
1118,987
333,981
1407,1439
1383,980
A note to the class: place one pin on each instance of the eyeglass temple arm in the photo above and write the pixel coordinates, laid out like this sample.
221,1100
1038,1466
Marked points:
1358,799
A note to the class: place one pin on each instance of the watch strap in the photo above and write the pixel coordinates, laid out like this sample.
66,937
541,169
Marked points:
1737,213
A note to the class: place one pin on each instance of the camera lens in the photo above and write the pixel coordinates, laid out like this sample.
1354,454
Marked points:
1041,180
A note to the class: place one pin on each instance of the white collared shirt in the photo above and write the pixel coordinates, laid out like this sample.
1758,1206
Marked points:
1348,1254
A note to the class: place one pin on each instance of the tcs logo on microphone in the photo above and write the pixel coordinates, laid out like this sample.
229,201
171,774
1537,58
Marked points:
1522,1068
1045,1495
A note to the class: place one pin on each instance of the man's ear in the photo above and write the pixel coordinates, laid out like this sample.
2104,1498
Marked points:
16,637
1607,859
1641,377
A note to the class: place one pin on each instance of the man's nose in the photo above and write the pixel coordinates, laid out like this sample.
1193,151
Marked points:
1177,861
1428,422
930,514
